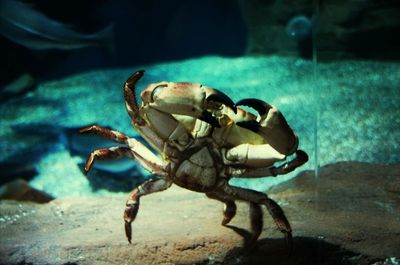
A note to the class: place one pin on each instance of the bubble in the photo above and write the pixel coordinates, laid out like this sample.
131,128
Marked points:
299,27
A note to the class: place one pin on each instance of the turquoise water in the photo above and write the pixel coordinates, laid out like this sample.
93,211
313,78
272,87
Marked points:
358,119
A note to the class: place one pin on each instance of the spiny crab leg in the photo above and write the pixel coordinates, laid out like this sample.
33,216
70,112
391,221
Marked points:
132,203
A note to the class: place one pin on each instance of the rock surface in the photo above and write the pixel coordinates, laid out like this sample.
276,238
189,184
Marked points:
20,190
349,215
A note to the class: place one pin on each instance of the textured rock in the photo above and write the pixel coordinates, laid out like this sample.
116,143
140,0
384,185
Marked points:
349,215
20,190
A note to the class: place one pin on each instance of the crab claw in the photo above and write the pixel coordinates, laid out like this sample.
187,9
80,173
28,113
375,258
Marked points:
261,106
300,159
272,126
209,118
220,97
251,125
130,97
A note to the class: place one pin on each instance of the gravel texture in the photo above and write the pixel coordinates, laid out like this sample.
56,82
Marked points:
349,215
350,107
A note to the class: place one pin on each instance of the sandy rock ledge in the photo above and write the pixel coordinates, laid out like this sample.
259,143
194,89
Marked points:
349,215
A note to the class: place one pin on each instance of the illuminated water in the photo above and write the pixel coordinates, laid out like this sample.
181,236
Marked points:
42,126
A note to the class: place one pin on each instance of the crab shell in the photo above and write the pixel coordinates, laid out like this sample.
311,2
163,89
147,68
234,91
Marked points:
204,136
177,113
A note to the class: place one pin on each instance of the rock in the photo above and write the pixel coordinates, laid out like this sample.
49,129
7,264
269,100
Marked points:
20,190
348,215
17,87
357,203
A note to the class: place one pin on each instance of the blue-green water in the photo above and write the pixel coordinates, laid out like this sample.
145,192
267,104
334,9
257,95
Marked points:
359,117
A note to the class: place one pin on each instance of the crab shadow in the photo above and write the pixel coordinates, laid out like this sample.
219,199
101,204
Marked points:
304,250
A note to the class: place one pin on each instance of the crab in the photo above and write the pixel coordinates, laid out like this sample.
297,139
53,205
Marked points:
203,139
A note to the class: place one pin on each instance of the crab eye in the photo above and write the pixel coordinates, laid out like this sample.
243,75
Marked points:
155,90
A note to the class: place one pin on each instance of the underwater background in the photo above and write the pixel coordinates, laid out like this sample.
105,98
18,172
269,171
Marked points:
331,67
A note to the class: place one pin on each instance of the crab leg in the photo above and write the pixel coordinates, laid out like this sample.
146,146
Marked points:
132,203
106,133
229,207
135,150
258,198
106,153
256,221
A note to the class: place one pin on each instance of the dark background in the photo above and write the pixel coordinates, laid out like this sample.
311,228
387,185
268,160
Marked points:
144,32
153,31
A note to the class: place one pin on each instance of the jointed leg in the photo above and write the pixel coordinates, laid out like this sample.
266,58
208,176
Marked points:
256,221
106,153
255,197
106,133
132,203
229,207
135,150
280,219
